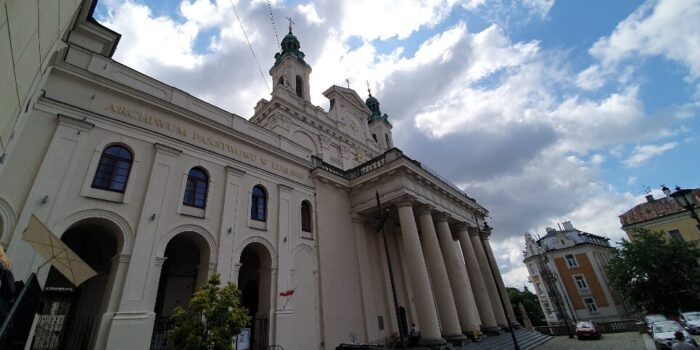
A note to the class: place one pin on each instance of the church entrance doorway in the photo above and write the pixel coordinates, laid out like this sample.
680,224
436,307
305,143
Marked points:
69,317
184,270
254,281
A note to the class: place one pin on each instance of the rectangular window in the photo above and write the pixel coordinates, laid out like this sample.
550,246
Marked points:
675,234
380,321
590,305
581,282
571,260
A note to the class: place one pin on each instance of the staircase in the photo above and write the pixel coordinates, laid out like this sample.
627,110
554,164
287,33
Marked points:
527,340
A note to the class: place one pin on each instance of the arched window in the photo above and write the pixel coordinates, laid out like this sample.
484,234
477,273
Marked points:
196,189
306,216
258,207
280,81
300,87
113,170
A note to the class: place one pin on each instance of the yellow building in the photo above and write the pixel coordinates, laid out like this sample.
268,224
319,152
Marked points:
663,214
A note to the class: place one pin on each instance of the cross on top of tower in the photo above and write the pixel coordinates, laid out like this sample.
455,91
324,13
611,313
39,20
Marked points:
347,81
368,89
290,23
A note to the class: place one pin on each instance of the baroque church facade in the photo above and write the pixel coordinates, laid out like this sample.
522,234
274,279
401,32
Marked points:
157,190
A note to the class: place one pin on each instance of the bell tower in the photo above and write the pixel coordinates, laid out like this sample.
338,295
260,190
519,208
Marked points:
378,123
290,70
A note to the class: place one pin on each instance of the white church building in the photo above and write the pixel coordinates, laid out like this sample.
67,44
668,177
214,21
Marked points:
156,190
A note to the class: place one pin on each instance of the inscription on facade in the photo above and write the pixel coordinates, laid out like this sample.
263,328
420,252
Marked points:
204,139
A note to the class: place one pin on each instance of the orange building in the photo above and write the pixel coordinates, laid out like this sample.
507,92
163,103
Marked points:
566,268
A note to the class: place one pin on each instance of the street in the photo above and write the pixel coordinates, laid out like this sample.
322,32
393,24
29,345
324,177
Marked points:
611,341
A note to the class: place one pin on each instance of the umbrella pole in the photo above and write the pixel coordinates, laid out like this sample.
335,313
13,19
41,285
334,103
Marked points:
44,264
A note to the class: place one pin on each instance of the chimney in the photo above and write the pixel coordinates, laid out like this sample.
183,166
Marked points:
650,198
568,226
549,229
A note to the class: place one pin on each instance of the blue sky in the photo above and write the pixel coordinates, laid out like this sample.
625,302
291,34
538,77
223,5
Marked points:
542,110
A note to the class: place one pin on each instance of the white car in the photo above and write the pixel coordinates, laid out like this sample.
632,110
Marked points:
663,333
691,321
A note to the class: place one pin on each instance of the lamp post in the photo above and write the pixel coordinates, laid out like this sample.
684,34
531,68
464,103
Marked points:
493,275
381,219
684,199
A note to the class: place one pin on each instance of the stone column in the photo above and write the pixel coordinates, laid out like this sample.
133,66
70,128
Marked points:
483,302
488,278
420,283
444,298
499,279
464,296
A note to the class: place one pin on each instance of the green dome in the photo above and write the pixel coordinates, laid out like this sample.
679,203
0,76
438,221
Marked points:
373,105
290,46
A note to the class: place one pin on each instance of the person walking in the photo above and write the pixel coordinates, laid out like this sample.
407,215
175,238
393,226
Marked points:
680,342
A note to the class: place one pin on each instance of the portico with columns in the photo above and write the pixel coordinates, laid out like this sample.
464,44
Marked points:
432,221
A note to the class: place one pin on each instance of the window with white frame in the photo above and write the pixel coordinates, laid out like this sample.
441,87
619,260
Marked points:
571,260
590,305
581,282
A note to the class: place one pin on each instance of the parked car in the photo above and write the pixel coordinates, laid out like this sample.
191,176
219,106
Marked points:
651,318
663,333
691,321
586,329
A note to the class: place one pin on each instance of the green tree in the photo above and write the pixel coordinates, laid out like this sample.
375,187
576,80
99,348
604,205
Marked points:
215,315
530,303
656,274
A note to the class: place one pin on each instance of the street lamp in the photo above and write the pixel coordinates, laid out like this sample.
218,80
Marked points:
684,199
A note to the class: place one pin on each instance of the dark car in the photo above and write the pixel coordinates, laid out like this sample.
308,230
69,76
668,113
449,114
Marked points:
663,333
691,321
586,329
650,319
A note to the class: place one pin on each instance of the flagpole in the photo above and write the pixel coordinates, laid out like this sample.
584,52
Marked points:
381,219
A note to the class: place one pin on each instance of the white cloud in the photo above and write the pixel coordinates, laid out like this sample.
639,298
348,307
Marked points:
669,28
643,153
309,12
539,7
631,180
590,78
166,42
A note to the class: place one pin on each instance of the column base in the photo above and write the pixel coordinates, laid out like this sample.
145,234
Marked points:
456,339
492,330
516,324
433,343
504,327
474,336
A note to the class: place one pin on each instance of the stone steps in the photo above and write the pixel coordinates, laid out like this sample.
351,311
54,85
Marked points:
527,340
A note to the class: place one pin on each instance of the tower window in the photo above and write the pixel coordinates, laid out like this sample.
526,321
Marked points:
332,104
374,136
113,169
280,81
386,138
300,87
306,216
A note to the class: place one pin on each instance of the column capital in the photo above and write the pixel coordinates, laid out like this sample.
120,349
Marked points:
461,226
423,209
159,260
234,171
404,202
473,231
122,258
440,217
358,218
74,123
167,150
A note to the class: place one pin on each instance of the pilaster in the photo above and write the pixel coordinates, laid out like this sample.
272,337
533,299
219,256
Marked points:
489,281
229,218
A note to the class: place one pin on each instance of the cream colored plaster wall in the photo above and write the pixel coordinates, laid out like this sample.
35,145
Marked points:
340,280
30,31
686,225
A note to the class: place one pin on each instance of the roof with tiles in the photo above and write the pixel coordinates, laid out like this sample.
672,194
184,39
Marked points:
654,208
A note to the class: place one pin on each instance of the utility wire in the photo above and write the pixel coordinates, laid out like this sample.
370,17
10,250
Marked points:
272,19
250,46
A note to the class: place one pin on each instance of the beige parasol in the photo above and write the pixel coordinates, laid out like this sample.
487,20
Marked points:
56,252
